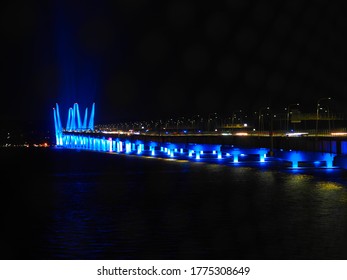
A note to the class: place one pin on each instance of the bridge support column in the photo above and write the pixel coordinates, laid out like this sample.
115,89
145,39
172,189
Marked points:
110,144
329,158
236,158
262,157
190,153
128,147
139,149
219,156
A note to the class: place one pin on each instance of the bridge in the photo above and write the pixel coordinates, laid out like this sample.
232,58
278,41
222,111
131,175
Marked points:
292,150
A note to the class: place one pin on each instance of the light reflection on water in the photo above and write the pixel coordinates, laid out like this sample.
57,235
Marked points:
101,206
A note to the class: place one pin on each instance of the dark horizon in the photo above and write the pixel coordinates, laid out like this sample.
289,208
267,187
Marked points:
148,59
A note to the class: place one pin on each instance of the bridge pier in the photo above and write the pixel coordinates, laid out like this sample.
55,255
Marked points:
236,157
297,157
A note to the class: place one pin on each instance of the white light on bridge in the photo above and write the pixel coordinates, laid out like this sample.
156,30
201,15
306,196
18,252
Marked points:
296,134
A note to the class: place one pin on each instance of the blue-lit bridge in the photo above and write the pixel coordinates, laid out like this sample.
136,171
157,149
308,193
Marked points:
293,152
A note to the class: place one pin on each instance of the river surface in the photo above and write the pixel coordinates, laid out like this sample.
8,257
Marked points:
69,204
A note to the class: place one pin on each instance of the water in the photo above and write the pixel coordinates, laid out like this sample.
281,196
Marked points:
61,204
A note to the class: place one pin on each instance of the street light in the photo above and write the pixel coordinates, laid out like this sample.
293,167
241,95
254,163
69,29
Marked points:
233,116
317,111
288,113
264,108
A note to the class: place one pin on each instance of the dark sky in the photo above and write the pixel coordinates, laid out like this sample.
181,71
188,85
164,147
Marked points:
141,59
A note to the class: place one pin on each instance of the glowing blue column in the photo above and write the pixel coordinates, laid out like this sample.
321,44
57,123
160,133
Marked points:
181,150
236,158
190,153
295,164
77,115
102,145
197,155
56,127
329,158
110,144
219,156
128,147
161,149
262,157
139,149
84,125
58,118
69,119
91,120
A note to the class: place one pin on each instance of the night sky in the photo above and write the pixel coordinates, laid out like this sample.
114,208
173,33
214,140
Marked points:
139,59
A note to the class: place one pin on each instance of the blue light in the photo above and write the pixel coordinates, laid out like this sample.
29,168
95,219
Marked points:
110,144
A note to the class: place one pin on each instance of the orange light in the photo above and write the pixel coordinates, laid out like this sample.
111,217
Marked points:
339,133
241,133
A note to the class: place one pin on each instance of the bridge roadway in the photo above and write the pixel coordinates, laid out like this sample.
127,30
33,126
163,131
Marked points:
332,150
336,145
